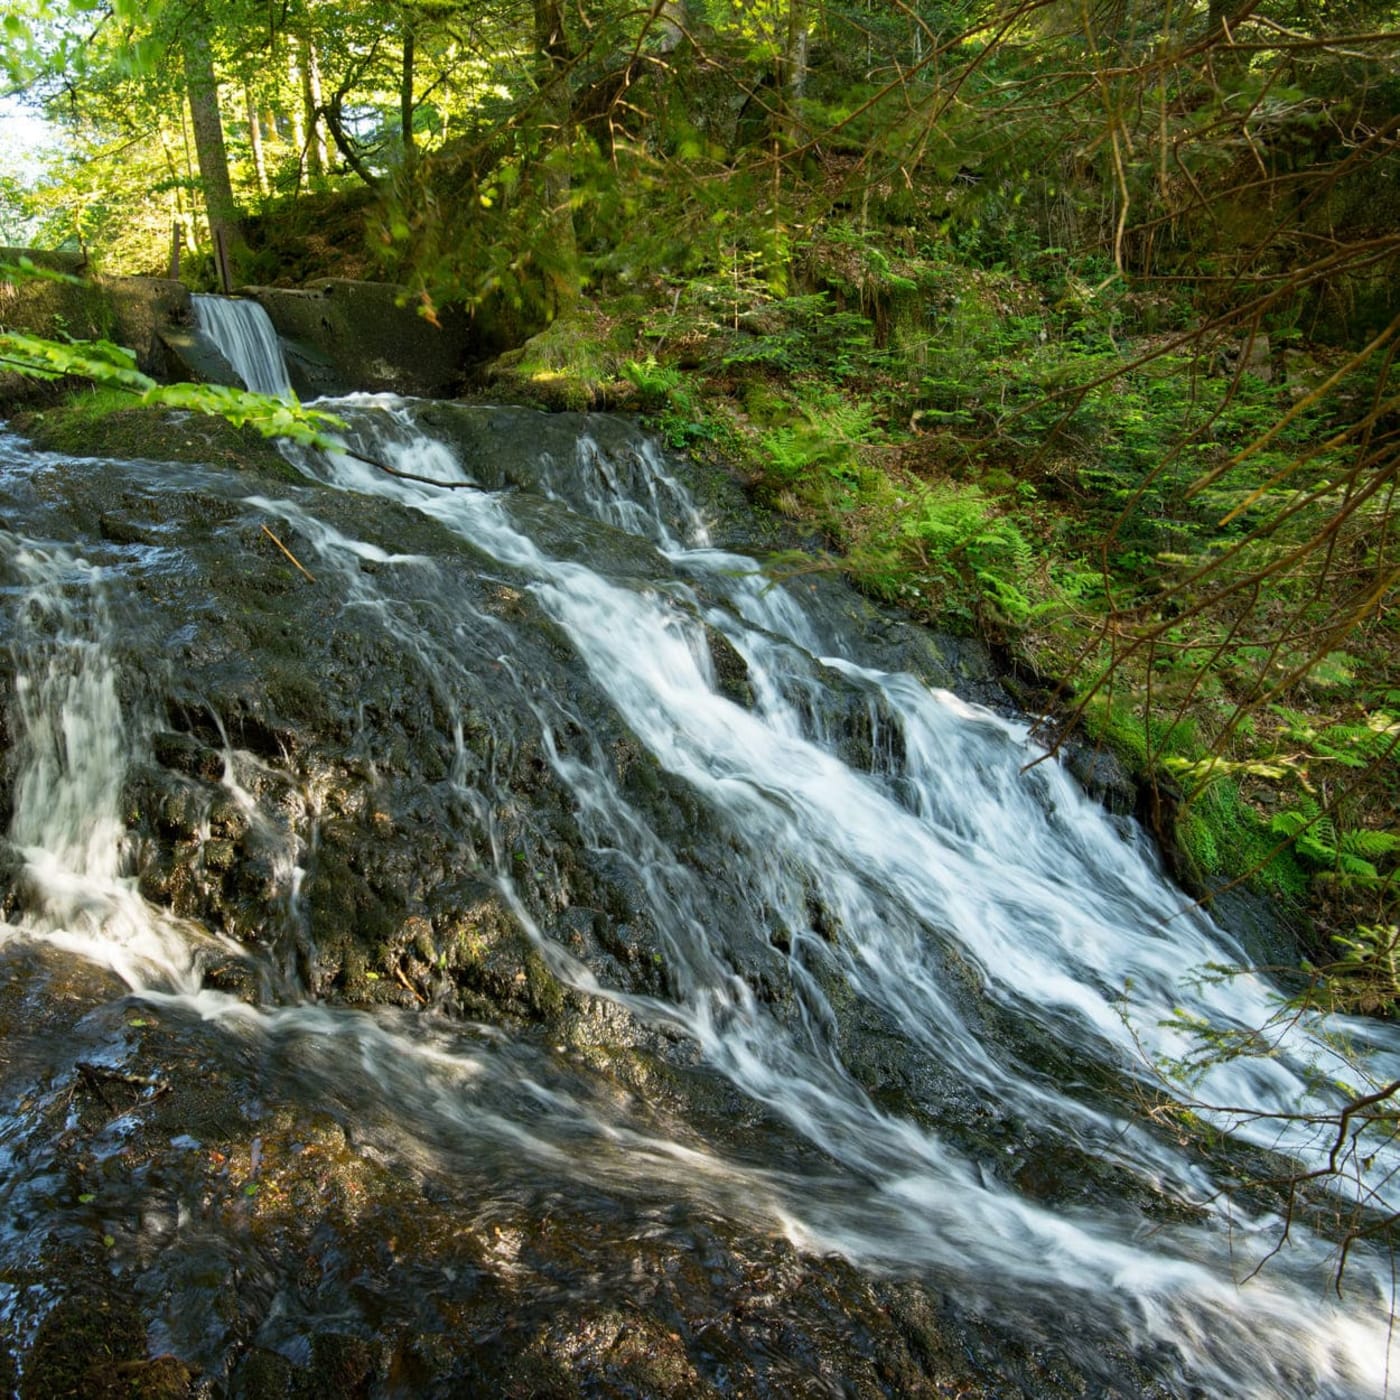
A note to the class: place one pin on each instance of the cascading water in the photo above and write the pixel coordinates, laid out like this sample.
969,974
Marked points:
244,333
926,982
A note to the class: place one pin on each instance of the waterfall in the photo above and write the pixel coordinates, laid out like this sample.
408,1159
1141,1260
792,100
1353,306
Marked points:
244,333
948,856
928,981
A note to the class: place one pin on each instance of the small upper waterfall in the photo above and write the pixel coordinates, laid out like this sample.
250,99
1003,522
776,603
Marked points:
243,332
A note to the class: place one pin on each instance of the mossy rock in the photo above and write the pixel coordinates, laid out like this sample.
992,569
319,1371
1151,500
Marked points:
1223,836
96,1346
571,366
97,423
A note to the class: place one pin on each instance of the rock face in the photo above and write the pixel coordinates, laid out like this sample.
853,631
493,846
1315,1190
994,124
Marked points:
400,1109
242,1210
344,335
276,1241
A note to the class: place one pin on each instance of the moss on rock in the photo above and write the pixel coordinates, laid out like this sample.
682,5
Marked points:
105,423
572,365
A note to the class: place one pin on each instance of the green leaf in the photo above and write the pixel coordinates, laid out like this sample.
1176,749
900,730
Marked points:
268,415
97,360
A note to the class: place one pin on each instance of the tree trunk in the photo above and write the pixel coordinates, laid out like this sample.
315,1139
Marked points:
202,90
299,114
345,145
406,95
255,140
673,22
318,158
792,74
552,48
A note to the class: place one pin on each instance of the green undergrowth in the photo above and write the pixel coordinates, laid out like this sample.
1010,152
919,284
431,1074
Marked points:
574,363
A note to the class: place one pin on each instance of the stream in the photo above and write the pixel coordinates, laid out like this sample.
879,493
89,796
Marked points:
485,925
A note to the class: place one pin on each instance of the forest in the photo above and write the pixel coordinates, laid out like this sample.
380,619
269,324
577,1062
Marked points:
1067,324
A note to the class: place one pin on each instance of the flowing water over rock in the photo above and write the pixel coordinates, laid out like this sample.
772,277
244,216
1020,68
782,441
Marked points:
245,335
484,935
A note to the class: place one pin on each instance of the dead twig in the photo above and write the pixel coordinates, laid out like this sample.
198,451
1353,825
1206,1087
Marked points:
95,1077
297,562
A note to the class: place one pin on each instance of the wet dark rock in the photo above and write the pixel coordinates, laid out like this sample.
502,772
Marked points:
158,435
1102,774
94,1345
183,753
308,1264
191,356
868,736
244,1212
538,452
731,670
121,531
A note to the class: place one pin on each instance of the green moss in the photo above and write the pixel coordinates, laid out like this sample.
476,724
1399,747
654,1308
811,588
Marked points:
1224,838
82,310
107,423
1218,835
1142,742
546,995
765,406
567,366
85,407
94,1345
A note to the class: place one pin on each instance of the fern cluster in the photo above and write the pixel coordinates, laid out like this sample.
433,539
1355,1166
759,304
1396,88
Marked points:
1367,970
1358,745
823,444
959,534
1351,853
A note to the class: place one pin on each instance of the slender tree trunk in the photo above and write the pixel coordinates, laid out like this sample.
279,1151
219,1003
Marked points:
256,141
792,75
202,90
410,151
318,158
552,48
299,113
